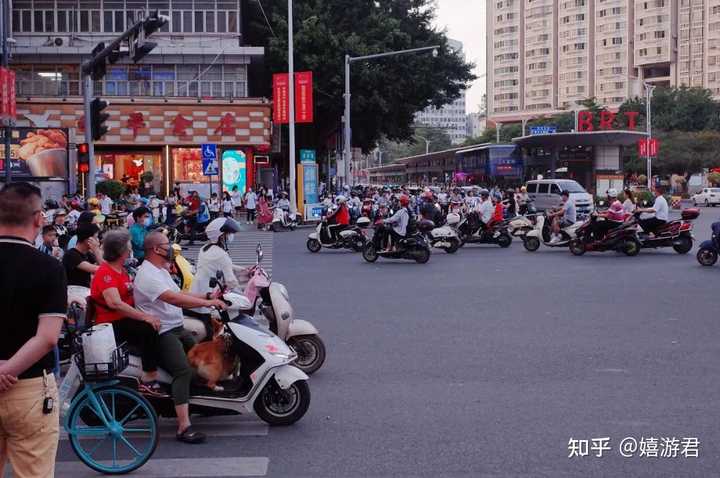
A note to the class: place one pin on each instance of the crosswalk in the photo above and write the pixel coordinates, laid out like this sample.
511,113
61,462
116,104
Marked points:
243,249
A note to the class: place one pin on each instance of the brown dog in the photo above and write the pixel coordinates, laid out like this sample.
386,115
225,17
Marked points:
211,359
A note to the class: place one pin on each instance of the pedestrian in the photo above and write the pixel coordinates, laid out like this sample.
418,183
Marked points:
106,204
227,205
236,200
214,206
629,204
33,291
81,261
49,242
250,205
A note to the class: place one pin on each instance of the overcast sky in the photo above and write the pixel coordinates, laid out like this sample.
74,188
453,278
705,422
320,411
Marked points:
465,22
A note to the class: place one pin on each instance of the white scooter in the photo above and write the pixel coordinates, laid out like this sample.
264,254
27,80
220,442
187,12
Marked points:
542,233
352,237
264,381
443,237
283,220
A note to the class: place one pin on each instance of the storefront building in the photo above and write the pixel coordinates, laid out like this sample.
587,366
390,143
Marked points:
190,90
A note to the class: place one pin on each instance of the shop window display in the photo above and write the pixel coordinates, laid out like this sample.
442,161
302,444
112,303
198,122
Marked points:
187,165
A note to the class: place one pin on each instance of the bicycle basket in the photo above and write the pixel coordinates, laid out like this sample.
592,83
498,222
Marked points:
100,371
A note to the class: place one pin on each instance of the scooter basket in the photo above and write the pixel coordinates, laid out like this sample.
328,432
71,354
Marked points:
690,213
102,371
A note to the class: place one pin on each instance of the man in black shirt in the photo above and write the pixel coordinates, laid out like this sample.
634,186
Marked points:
80,262
33,292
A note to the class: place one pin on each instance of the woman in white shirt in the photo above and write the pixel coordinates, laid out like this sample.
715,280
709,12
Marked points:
236,199
629,204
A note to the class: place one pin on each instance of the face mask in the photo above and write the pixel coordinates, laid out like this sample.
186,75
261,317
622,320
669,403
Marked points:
147,222
169,254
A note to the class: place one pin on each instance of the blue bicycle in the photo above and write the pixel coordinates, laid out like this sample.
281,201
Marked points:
112,429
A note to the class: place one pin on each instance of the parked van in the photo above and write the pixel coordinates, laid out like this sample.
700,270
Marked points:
545,194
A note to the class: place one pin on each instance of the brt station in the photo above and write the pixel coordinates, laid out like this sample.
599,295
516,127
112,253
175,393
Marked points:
592,158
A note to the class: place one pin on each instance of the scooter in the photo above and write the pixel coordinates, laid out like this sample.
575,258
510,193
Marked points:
542,234
621,239
676,234
470,232
283,220
412,247
518,226
707,255
264,381
352,237
443,237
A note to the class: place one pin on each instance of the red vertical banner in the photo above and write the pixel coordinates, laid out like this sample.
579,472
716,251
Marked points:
281,109
5,99
11,94
304,97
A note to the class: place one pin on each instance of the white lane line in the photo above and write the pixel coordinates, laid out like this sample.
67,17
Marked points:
212,427
179,468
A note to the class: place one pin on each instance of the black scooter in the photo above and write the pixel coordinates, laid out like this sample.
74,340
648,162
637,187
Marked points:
412,247
470,231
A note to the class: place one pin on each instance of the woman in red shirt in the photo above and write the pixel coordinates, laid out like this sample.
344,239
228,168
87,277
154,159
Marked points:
111,290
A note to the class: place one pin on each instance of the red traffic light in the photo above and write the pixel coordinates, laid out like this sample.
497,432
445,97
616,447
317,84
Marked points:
82,148
84,167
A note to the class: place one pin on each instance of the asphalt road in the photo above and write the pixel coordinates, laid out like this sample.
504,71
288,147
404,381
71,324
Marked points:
485,364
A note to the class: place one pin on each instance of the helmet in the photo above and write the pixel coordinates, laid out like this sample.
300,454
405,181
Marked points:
219,226
427,195
404,200
340,199
93,202
612,193
523,189
484,193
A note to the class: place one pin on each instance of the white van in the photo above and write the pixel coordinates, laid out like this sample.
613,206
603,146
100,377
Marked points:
545,194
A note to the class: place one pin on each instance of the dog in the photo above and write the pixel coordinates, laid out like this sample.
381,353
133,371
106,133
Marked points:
212,360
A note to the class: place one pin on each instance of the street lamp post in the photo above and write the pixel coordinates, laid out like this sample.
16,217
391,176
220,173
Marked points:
347,151
648,119
427,143
291,112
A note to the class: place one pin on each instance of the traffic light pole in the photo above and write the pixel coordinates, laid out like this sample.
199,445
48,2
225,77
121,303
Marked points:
92,165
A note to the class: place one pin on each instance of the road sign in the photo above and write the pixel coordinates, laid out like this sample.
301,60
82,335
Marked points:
648,147
209,159
307,155
543,129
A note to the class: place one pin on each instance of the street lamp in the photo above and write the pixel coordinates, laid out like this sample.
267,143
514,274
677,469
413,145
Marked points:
347,151
291,112
648,120
427,143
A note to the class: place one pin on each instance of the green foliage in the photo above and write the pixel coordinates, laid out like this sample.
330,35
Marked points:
147,177
714,178
439,141
386,92
112,188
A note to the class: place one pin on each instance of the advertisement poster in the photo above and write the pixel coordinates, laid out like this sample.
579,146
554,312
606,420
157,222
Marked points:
310,183
37,153
234,170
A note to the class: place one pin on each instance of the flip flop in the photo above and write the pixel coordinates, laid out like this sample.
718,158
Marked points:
190,436
152,387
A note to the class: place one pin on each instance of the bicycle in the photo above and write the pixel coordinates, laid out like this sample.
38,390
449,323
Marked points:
104,410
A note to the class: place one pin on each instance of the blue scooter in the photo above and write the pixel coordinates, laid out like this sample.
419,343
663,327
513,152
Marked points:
707,255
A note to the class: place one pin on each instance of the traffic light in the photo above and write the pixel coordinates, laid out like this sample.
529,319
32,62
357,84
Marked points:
83,157
98,118
99,67
139,46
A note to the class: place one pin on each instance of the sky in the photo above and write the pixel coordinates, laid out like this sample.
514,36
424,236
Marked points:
465,22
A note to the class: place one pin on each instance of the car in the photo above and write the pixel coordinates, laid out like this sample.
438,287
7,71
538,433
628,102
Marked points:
546,194
707,197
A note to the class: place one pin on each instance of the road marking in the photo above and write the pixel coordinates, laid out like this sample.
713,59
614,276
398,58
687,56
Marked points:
179,468
612,370
222,426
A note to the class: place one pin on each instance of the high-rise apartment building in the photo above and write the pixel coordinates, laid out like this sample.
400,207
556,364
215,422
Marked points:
452,117
545,55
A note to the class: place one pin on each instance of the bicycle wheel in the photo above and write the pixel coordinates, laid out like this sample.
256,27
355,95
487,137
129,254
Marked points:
113,430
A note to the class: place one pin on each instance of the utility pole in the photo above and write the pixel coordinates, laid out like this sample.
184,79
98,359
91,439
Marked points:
291,101
648,119
7,129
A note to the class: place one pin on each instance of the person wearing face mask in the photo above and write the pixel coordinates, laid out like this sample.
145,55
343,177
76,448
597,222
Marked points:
156,294
139,230
213,257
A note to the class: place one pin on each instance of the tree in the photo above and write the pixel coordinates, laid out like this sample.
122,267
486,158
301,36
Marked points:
439,141
387,92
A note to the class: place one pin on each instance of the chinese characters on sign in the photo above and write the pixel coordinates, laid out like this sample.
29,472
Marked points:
226,126
645,447
303,98
648,147
7,93
180,125
136,122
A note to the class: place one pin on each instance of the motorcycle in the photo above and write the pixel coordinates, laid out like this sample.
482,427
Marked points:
622,239
676,234
283,220
470,231
542,234
413,246
707,255
264,380
352,237
184,225
443,237
368,208
518,226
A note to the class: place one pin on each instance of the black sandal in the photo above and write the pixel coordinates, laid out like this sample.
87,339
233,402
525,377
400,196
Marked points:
191,436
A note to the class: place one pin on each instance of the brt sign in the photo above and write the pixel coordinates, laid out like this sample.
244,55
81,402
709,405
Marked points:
607,118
